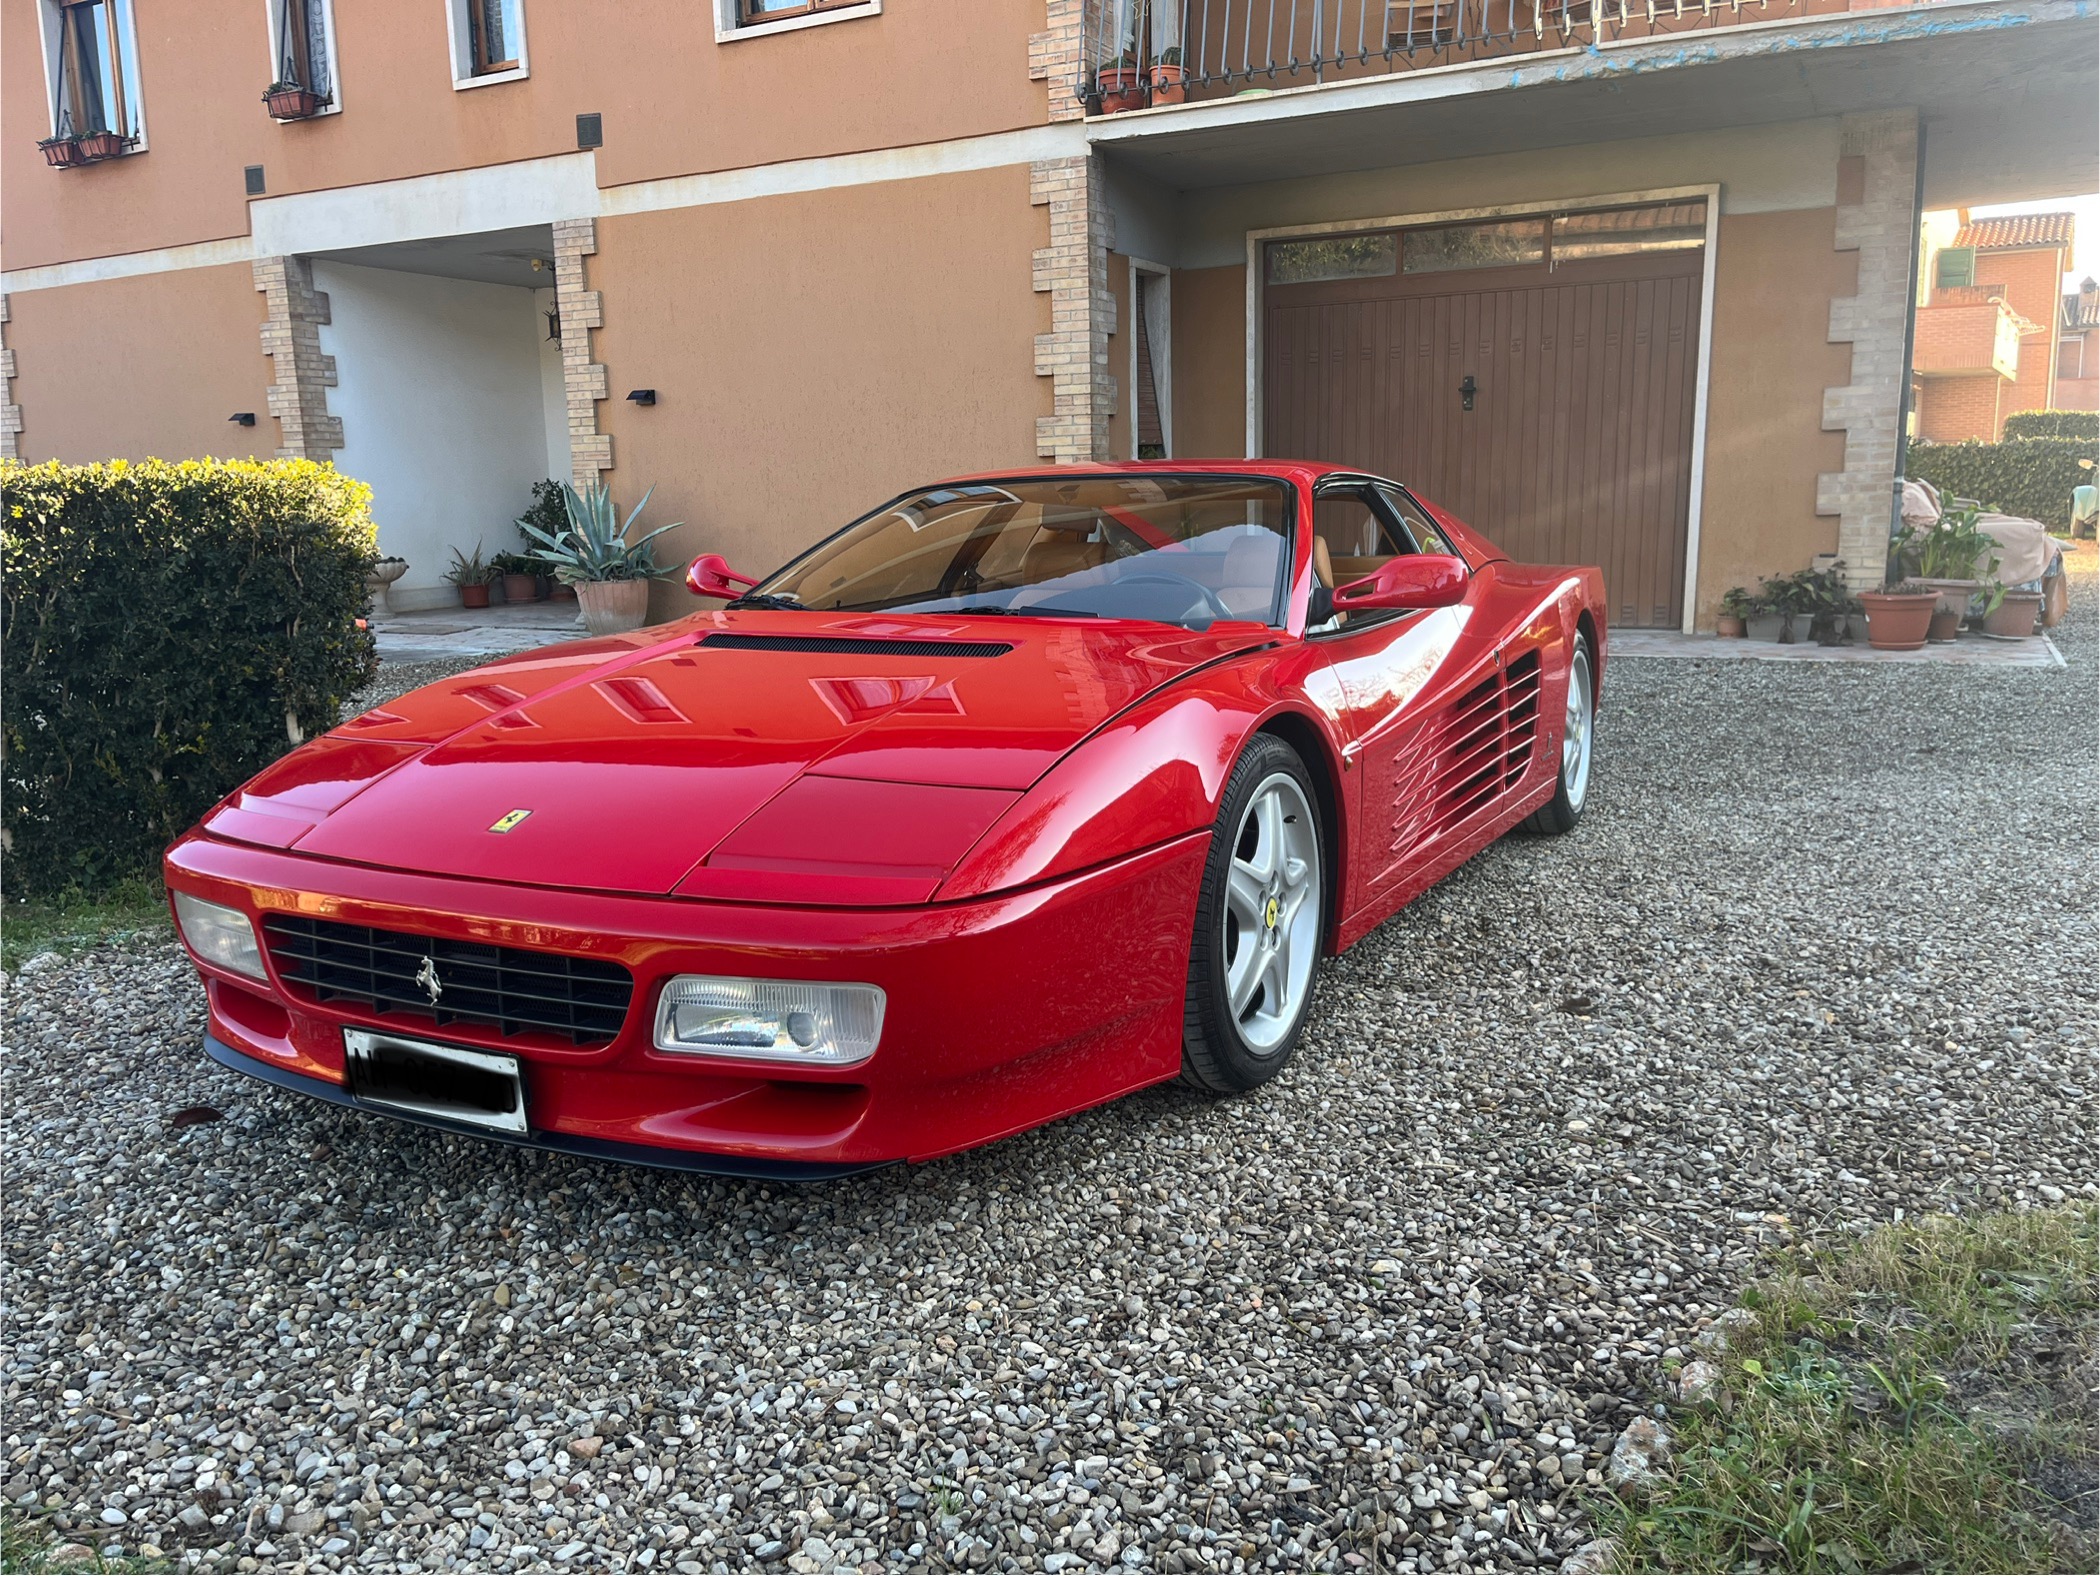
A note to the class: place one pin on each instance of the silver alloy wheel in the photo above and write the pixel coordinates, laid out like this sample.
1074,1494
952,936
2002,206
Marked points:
1272,913
1575,738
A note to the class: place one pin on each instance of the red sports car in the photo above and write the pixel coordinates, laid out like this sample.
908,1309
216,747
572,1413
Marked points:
1019,793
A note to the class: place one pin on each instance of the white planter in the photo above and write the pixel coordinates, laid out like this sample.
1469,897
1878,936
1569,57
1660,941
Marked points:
613,607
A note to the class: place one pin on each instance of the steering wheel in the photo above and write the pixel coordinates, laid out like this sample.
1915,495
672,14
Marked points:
1211,600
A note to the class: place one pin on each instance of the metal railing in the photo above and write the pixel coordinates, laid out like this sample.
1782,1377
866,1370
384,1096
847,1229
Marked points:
1136,53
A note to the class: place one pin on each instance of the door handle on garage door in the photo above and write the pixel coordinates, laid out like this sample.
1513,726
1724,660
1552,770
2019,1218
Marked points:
1466,391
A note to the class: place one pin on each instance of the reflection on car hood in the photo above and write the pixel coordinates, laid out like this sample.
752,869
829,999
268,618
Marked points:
636,756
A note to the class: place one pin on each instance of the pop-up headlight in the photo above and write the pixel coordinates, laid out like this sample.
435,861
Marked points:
769,1020
220,935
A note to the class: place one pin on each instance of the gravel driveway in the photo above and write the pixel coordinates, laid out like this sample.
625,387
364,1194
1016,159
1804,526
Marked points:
1822,955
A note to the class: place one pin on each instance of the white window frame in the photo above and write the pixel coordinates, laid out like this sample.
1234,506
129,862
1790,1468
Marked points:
729,31
1162,353
460,37
50,36
335,58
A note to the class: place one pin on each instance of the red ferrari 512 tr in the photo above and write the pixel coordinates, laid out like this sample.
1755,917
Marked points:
1019,793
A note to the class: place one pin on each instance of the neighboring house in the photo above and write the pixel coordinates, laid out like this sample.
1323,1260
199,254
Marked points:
1621,284
1989,335
2078,351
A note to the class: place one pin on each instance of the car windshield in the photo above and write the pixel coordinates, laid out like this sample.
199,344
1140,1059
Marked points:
1173,549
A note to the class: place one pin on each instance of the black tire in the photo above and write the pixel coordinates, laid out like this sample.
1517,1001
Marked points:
1560,813
1216,1053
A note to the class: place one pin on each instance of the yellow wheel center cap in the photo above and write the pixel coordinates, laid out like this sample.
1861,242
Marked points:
1269,914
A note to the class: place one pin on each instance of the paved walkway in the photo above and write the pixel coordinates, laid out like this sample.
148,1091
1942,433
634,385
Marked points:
437,634
1971,650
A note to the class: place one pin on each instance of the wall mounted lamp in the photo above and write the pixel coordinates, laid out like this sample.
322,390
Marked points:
242,418
642,397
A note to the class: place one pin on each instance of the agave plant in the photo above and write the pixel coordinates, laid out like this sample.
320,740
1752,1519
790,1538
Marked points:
594,546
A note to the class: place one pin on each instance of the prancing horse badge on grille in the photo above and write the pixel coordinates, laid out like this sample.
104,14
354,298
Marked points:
427,977
509,819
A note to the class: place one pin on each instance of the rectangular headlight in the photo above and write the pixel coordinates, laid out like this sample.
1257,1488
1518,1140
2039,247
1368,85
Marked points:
769,1020
220,935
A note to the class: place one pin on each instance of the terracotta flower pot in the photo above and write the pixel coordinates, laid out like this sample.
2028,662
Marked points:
1898,621
1945,625
1729,627
62,153
1122,88
104,145
612,607
1169,85
293,103
474,595
2015,615
521,588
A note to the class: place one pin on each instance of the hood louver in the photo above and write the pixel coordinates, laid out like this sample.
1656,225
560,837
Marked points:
840,645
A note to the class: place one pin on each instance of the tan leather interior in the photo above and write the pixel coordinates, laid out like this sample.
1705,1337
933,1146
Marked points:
1056,554
1323,563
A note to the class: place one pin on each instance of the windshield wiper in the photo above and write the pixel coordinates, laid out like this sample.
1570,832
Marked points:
1034,609
764,602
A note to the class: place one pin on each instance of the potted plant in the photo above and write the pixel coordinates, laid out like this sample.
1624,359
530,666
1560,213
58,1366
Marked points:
471,573
550,514
1949,556
104,145
63,151
1738,606
1823,596
520,575
1899,618
1779,599
383,573
611,574
2010,614
291,101
1121,85
1169,82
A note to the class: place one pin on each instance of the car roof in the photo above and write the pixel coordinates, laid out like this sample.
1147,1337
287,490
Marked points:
1304,472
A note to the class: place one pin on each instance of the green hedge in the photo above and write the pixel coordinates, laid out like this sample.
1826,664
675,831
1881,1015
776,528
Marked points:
2081,424
2029,477
168,631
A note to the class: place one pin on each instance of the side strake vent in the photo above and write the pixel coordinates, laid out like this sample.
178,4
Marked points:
1464,760
849,646
1522,682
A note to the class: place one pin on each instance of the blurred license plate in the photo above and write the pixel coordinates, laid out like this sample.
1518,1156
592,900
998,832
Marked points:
448,1082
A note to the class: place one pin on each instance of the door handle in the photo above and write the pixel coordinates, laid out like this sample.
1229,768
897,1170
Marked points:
1466,391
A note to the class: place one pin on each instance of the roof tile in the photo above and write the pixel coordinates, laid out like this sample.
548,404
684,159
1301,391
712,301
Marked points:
2014,230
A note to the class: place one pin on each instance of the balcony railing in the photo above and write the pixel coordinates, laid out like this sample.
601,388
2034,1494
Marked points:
1139,53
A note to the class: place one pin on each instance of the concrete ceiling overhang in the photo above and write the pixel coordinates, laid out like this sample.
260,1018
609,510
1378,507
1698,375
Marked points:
494,257
2007,91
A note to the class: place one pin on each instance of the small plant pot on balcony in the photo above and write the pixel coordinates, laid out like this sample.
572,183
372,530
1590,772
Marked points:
613,607
475,595
62,153
289,101
1169,85
105,145
521,588
2015,615
1898,620
1122,88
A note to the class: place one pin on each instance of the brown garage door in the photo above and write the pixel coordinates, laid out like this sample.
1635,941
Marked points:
1534,376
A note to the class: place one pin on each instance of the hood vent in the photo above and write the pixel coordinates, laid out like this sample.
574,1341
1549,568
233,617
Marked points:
844,646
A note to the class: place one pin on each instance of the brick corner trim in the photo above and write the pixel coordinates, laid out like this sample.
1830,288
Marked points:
10,412
1868,409
291,337
1053,56
1073,271
583,380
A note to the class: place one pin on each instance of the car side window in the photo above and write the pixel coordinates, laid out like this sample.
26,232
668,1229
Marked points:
1415,523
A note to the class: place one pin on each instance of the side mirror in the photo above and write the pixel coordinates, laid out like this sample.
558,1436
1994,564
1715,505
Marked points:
1414,580
710,575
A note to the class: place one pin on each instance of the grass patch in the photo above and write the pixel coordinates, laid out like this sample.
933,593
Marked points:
1920,1399
81,919
31,1547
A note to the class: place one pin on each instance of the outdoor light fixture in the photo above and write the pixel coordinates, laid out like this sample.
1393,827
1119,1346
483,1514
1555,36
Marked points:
554,323
820,1025
242,418
642,396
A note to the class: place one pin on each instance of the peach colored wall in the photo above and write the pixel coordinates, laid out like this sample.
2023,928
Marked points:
1210,362
813,355
1774,277
674,101
133,367
2032,282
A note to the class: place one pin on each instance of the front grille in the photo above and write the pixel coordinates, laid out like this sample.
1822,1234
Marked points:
508,989
840,645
